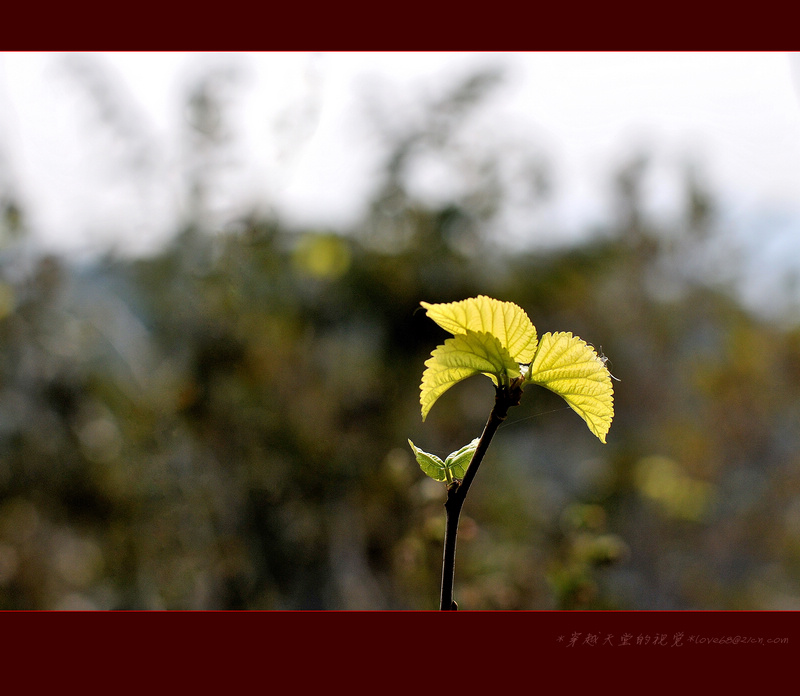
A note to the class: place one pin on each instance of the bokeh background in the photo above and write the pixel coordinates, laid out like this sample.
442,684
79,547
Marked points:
211,349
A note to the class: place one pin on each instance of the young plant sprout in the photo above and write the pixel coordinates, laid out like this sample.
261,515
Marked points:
497,339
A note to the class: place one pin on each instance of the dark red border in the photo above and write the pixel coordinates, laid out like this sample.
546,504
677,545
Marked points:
410,26
419,650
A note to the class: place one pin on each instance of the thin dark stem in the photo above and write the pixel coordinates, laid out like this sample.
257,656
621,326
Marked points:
505,398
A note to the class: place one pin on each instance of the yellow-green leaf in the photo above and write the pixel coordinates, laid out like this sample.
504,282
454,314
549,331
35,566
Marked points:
572,369
431,464
505,320
458,461
462,356
454,467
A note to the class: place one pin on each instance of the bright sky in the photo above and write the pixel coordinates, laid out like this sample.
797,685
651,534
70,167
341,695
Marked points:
736,114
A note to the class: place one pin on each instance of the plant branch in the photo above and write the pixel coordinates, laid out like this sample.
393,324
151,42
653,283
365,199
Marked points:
505,398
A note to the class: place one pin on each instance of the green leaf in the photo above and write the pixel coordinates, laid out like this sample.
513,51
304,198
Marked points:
505,320
430,464
454,467
458,461
460,357
566,365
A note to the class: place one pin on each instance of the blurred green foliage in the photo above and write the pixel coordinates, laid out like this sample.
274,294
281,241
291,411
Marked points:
224,424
